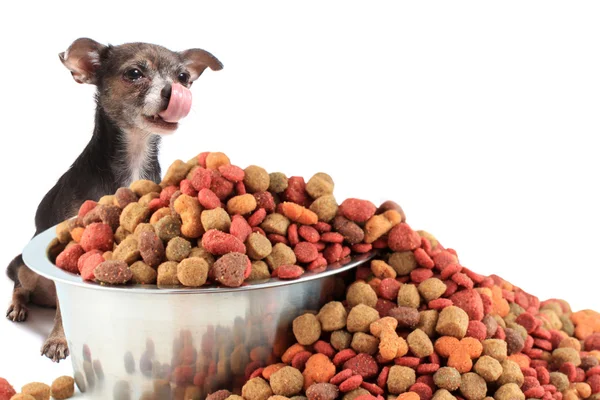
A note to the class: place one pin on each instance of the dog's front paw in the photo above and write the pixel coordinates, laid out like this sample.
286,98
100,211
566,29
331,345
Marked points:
17,312
56,348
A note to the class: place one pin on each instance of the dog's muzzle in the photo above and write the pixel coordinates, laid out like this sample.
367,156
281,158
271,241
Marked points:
180,102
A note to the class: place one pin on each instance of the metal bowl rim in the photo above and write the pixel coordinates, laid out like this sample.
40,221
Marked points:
35,256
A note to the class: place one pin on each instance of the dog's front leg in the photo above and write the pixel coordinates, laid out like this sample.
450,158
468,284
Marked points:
55,347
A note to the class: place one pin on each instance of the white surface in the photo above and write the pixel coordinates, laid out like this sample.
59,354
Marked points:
479,118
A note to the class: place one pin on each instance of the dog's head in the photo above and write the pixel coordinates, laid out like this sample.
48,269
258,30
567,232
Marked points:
140,85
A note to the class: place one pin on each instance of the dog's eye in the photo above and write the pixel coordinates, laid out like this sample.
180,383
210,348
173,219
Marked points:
184,77
133,74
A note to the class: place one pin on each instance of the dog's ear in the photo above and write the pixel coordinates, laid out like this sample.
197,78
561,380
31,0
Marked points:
197,60
82,58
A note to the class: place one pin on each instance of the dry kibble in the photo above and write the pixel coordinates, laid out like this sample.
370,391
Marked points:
256,389
281,254
40,391
133,215
142,273
360,318
260,271
453,321
258,246
287,381
341,340
177,249
428,321
276,223
488,368
419,343
319,185
62,388
242,204
167,274
400,379
326,207
176,172
403,262
495,348
143,187
511,373
216,159
168,227
361,293
408,296
566,354
447,378
307,329
443,394
432,289
192,272
559,380
256,179
216,218
509,391
332,316
353,394
473,387
364,343
278,182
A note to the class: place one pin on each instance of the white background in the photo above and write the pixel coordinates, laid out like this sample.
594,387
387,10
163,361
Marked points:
480,118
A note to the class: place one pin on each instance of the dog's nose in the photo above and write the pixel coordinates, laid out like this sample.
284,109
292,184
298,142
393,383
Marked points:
165,93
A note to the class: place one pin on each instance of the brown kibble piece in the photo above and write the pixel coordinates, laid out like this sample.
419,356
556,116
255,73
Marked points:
447,378
307,329
177,249
256,179
168,227
400,379
361,293
152,249
341,340
142,273
332,316
256,389
488,368
287,381
123,197
428,321
216,159
319,185
167,274
63,387
258,246
326,207
441,394
22,396
113,272
127,251
360,318
40,391
510,391
260,271
364,343
511,373
473,387
192,272
408,296
278,182
142,187
495,348
403,262
566,354
320,391
276,223
353,394
419,343
132,215
559,380
176,172
351,231
281,254
216,218
453,321
431,289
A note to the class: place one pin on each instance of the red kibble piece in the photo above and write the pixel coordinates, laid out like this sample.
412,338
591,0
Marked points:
185,186
86,207
358,210
555,396
383,377
423,390
320,262
276,238
156,204
529,372
292,234
240,188
81,260
380,243
257,218
289,272
351,383
362,247
579,375
240,228
423,259
259,230
463,280
345,252
549,388
89,265
450,270
221,186
208,199
528,344
528,321
332,237
305,252
265,200
534,353
543,375
201,179
443,259
324,348
68,259
341,377
439,304
451,288
419,275
470,301
488,305
300,359
542,333
383,307
477,330
251,367
427,380
309,234
535,392
569,370
372,388
97,236
487,282
594,382
232,173
543,344
322,227
426,369
343,356
593,371
388,288
219,243
258,372
500,334
403,238
362,364
333,253
202,158
167,192
411,362
434,358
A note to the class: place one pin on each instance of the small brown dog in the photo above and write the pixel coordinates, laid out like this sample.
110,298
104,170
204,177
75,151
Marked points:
134,107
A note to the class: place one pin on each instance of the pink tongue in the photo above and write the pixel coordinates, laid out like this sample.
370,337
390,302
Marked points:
179,104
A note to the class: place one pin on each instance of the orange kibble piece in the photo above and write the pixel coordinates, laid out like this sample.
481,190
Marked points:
586,322
300,214
319,369
271,369
216,159
382,270
409,396
521,359
289,354
459,353
77,233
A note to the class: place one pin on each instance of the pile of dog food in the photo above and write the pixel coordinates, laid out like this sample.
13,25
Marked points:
62,388
413,324
212,222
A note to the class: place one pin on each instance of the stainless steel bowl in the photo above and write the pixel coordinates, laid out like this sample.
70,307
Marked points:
145,342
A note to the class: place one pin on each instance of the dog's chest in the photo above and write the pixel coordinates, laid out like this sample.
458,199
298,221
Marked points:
139,152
